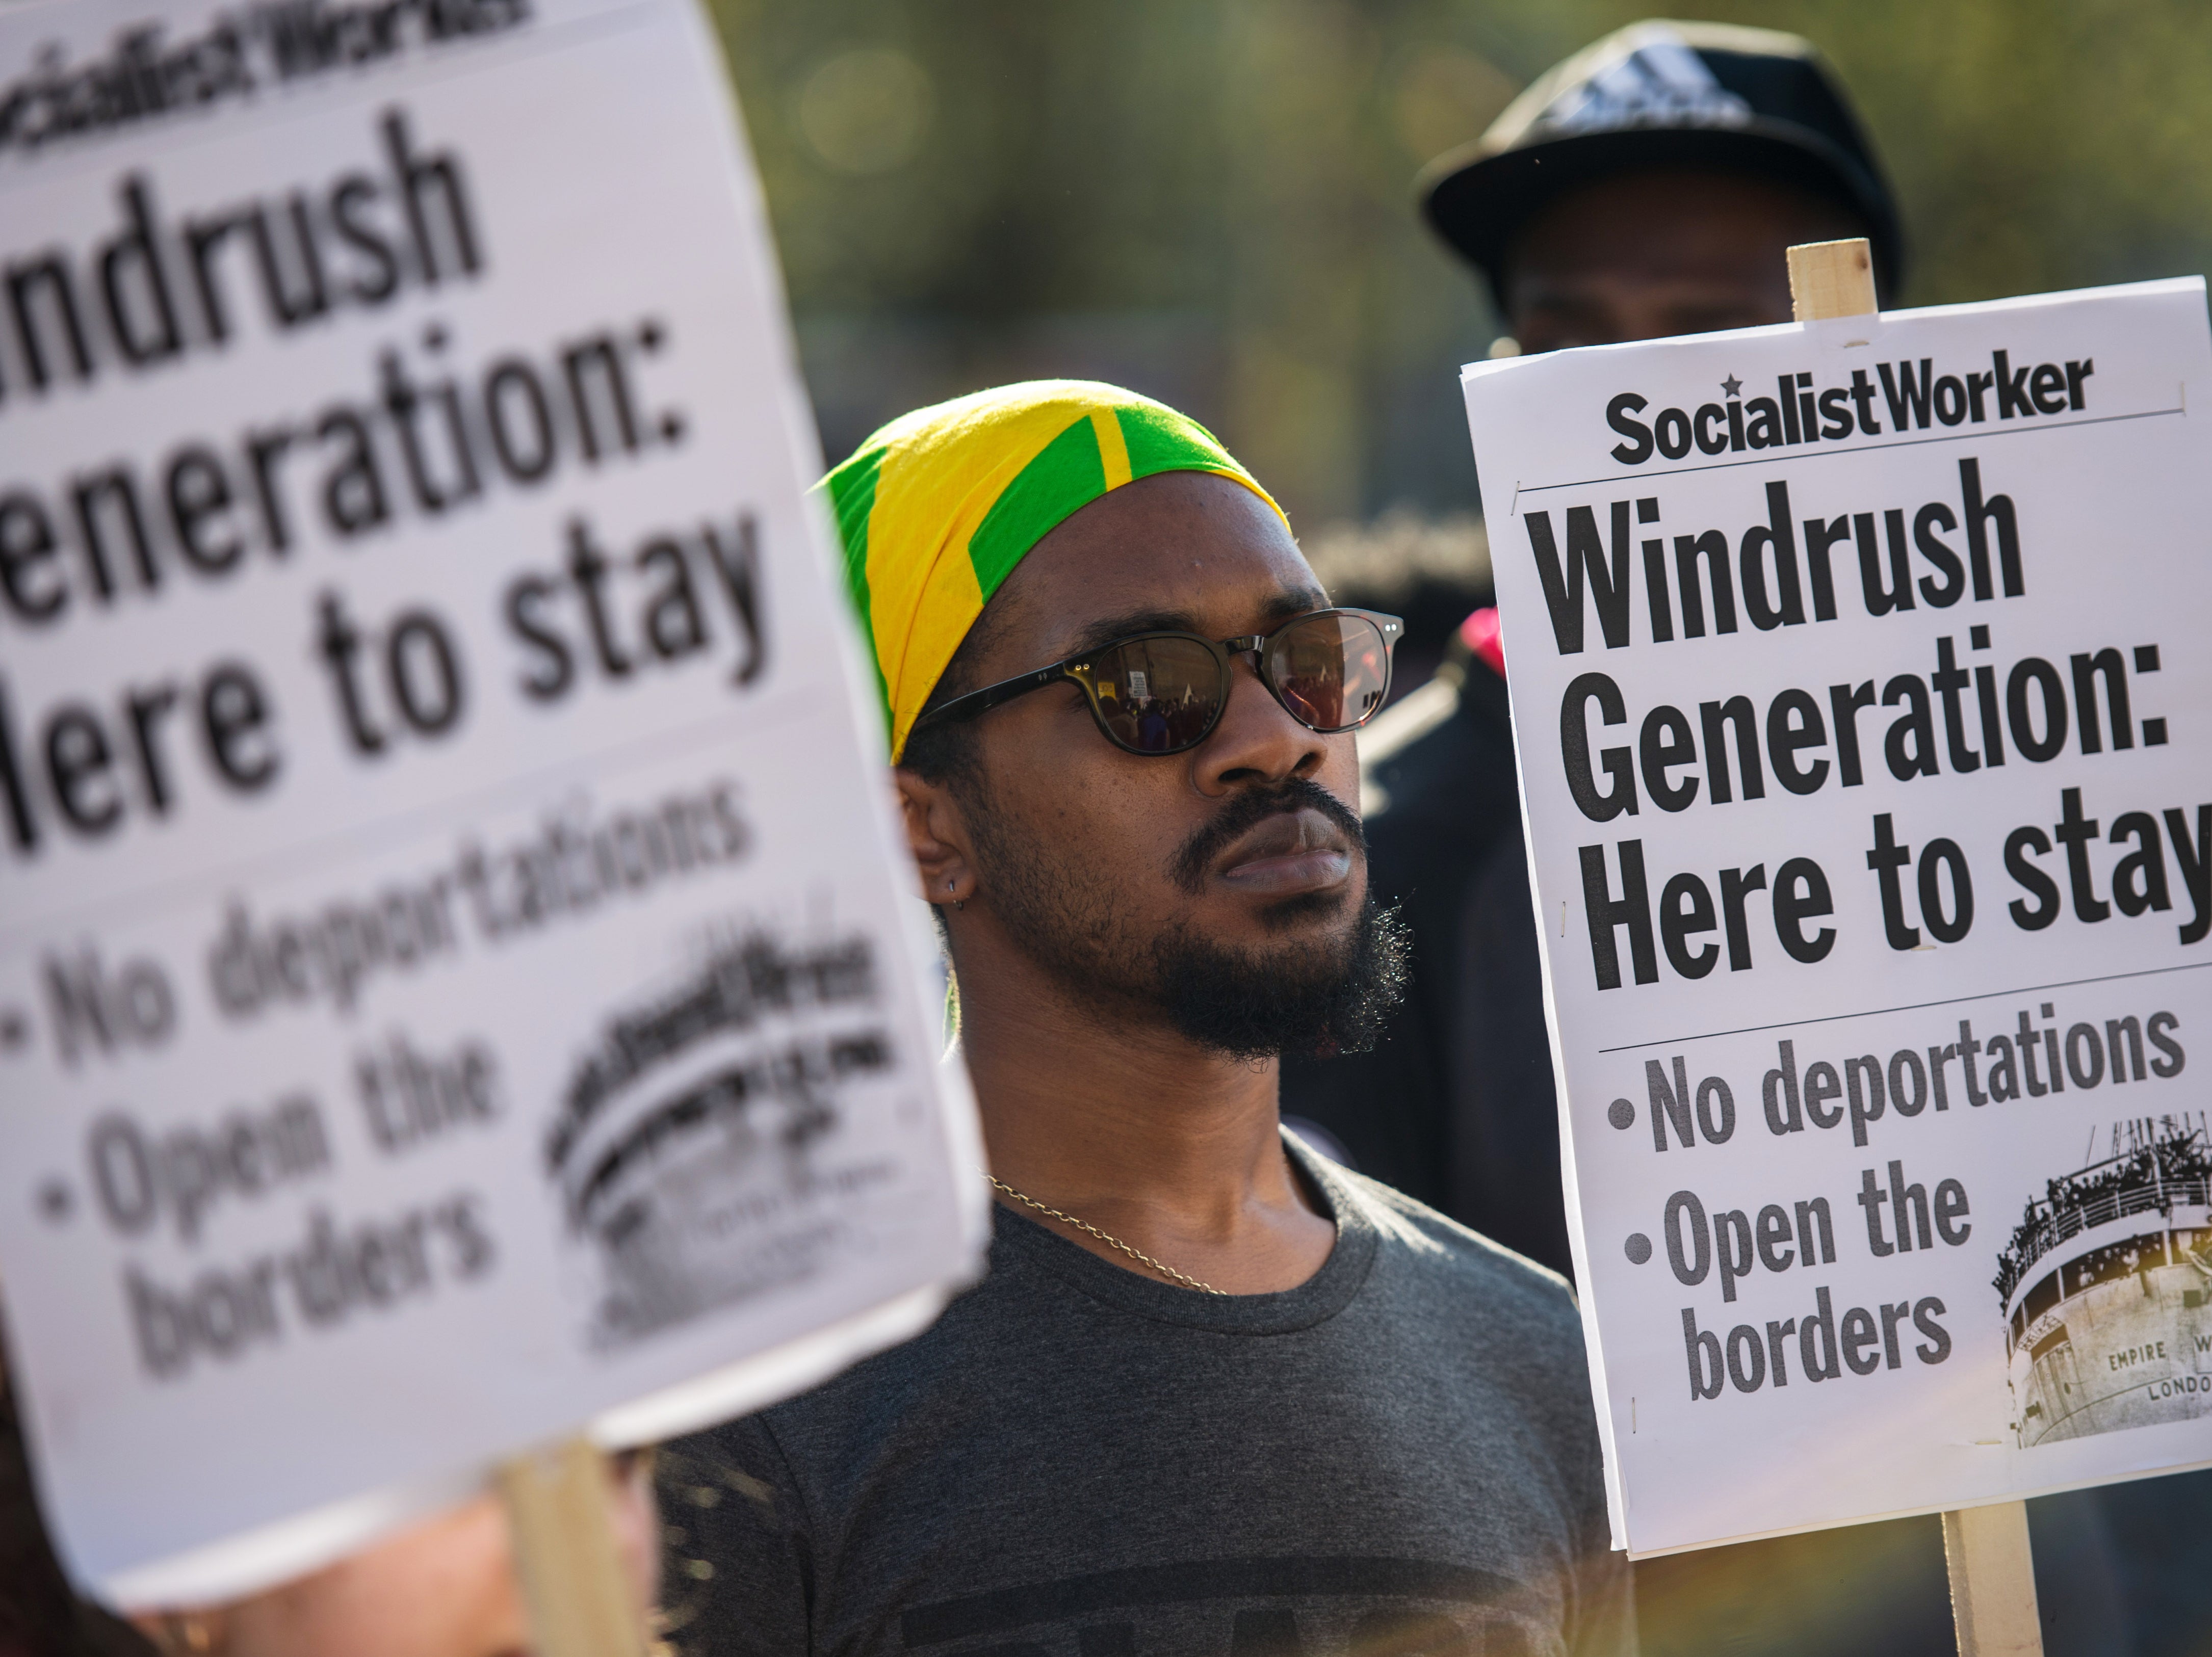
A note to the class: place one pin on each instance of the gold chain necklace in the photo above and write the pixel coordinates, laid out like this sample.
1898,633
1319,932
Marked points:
1111,1241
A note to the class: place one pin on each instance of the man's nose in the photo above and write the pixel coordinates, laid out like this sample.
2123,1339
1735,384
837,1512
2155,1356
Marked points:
1256,741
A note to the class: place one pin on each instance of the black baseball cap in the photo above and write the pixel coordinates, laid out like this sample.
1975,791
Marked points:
1664,94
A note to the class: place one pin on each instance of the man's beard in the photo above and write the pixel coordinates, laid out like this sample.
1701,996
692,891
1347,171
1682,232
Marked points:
1311,1003
1329,995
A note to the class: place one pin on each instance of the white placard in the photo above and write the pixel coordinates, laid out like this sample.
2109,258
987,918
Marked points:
1866,751
455,988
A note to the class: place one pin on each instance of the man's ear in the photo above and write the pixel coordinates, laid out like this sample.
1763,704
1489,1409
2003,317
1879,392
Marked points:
938,838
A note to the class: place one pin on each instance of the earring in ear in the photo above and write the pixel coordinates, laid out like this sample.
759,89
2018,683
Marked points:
957,902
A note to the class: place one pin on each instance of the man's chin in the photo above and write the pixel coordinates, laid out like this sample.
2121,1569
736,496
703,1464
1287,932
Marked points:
1319,984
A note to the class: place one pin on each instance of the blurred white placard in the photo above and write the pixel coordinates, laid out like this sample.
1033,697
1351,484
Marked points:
1866,748
455,988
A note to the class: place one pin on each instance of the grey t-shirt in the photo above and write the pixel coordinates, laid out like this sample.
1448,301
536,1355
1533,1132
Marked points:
1397,1456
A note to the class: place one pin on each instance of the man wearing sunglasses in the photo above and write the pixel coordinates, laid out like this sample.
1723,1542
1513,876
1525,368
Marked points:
1214,1394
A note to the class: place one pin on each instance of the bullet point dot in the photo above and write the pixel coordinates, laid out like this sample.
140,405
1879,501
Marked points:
1637,1247
1621,1113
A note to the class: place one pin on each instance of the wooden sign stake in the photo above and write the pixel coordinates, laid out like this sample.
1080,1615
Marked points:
565,1555
1832,279
1985,1550
1992,1581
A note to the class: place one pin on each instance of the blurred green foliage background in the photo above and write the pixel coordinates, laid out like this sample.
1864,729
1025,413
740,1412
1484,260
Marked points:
1210,200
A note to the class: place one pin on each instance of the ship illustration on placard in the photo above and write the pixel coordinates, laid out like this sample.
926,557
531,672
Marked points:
690,1145
2106,1287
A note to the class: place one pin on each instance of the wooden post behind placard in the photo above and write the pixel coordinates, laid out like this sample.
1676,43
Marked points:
565,1555
1832,279
1992,1581
1984,1549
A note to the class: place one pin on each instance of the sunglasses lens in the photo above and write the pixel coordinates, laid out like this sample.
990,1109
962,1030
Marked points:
1332,672
1156,695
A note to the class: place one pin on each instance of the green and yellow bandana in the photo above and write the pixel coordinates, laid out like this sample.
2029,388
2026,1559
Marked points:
938,507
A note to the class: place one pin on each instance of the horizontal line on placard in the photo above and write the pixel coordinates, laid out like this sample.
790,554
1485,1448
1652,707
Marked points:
1910,1006
357,841
1769,458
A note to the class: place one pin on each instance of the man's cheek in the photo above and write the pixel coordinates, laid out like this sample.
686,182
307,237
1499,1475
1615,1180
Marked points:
1340,775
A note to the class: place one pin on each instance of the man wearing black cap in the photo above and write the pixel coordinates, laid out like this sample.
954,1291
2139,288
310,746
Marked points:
1648,186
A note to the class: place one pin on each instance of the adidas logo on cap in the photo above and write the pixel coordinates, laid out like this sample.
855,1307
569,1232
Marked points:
1660,82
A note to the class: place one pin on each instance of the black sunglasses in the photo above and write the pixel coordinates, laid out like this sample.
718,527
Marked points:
1162,693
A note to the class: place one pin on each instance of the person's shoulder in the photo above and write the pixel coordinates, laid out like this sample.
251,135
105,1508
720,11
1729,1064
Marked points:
868,1404
1457,1261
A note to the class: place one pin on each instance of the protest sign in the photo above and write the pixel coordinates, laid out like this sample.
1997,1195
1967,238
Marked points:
1870,829
456,987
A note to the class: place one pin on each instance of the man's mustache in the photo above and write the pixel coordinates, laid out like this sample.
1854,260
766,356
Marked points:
1252,806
